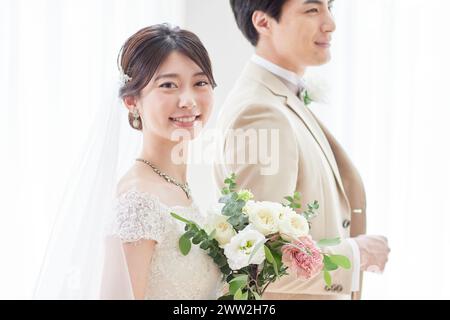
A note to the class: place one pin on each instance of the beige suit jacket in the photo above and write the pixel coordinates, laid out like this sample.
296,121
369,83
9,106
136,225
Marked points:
304,157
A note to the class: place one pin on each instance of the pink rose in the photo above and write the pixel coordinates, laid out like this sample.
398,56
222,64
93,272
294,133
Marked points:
303,257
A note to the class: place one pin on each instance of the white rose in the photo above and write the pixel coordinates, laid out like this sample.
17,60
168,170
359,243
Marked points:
292,225
248,207
224,230
241,246
264,216
318,88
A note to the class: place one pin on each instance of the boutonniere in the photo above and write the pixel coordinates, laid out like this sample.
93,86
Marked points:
316,90
305,97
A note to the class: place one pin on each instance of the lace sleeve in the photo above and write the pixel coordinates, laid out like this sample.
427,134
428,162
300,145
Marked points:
139,217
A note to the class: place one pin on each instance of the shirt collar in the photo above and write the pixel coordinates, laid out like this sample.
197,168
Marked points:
285,74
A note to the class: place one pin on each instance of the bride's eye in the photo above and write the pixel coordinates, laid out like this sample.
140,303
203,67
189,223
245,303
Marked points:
202,83
168,85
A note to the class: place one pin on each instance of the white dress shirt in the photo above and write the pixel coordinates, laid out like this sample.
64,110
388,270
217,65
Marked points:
291,79
296,84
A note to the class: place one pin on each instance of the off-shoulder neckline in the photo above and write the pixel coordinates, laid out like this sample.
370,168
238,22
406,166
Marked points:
148,194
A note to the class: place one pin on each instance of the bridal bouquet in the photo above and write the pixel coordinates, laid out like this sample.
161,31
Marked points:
254,243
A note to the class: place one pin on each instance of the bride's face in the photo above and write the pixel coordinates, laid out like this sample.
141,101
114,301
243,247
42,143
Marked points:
178,99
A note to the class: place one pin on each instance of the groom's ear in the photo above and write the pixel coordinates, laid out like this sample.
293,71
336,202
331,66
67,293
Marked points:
262,23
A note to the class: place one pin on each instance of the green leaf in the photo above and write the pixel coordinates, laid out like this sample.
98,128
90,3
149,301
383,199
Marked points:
245,296
271,259
238,283
328,264
238,295
297,195
185,245
290,199
204,245
239,278
180,218
329,242
341,261
327,278
256,295
197,238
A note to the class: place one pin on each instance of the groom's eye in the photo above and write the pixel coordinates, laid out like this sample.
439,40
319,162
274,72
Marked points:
313,10
168,85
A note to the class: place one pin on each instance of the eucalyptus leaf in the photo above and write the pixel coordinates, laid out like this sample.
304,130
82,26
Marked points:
185,245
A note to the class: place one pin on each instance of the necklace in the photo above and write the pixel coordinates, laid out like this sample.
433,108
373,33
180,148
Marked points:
184,186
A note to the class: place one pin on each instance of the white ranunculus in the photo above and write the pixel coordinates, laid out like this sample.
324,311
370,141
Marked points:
241,246
224,230
292,225
264,216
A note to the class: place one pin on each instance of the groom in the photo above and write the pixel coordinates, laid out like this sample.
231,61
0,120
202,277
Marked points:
267,109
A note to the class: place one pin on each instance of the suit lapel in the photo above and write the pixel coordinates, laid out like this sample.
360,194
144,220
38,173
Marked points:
277,87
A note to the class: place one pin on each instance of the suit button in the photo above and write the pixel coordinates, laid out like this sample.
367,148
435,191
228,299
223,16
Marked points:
339,288
327,288
346,223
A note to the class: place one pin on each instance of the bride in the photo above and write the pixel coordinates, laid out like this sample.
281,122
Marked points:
167,87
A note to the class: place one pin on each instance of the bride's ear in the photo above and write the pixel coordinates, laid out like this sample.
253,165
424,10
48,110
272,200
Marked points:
130,103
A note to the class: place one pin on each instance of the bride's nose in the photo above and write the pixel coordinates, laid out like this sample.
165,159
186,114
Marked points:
186,102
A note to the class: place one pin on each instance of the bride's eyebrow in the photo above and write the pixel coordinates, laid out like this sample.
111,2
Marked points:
167,75
198,74
176,75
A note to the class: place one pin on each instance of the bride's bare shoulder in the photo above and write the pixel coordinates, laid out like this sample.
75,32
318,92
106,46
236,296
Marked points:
137,178
141,179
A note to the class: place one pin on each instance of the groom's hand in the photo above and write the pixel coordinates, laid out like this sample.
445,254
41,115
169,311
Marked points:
374,252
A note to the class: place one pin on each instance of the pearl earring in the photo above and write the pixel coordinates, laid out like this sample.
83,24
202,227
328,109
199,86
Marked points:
136,121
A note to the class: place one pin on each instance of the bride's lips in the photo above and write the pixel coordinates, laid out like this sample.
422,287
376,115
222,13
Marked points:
185,121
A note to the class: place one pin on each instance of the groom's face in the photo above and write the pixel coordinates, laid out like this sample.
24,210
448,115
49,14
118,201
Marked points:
303,34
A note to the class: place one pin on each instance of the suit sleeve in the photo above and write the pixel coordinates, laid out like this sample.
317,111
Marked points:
272,177
262,150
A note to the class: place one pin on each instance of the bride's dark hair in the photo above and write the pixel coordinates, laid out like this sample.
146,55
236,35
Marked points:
146,50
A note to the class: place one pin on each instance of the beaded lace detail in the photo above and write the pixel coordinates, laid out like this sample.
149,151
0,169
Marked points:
142,216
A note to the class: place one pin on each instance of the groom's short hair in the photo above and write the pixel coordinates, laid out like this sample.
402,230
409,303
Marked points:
243,12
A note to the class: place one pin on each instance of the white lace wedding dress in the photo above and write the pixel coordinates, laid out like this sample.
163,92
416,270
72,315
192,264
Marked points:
141,215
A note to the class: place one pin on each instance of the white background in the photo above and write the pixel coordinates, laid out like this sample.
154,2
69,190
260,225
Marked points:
390,109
